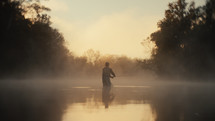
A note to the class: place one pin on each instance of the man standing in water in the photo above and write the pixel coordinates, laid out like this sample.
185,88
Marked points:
107,73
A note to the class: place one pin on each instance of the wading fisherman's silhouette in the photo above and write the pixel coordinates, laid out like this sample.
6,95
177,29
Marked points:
107,73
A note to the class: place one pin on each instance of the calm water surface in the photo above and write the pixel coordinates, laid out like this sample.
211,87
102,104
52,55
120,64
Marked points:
125,101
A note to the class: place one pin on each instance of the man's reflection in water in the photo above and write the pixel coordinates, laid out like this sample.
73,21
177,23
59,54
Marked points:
107,96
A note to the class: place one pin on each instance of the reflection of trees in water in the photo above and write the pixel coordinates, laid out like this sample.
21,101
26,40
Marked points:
30,104
169,103
107,96
184,104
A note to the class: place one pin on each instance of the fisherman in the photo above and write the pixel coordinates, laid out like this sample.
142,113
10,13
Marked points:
107,73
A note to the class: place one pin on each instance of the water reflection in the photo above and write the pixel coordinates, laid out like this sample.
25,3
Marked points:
108,104
43,102
190,102
20,102
107,96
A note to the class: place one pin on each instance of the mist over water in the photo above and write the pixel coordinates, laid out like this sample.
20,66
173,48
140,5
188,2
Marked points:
86,99
41,80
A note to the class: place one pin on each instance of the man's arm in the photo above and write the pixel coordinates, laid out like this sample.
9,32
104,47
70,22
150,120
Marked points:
111,71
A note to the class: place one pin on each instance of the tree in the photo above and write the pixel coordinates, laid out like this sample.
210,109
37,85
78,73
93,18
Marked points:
28,43
169,38
185,39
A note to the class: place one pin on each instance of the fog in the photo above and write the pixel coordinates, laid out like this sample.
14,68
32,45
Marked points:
60,100
41,80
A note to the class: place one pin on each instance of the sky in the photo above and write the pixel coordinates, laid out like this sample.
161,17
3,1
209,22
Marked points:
118,27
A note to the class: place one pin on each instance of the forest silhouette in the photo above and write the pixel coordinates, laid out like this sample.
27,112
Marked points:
31,47
28,44
185,41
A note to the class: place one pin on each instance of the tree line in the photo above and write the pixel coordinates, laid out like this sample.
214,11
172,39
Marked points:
29,45
185,41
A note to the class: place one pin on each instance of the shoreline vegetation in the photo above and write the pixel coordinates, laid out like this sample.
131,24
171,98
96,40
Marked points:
30,47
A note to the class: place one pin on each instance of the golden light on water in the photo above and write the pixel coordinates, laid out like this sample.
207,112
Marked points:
119,103
127,112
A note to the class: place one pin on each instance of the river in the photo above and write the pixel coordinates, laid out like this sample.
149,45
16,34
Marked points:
129,99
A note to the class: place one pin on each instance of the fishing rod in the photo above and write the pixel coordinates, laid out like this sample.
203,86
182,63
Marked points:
118,76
